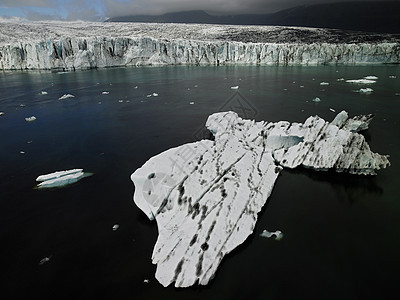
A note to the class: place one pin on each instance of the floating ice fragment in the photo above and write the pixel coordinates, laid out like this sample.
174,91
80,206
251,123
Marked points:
66,96
332,110
392,77
278,234
43,93
2,113
146,281
22,152
371,77
115,227
234,87
302,86
105,93
136,87
316,99
22,105
44,260
30,119
361,81
324,83
155,94
61,178
120,101
340,79
149,95
57,174
366,91
191,103
29,142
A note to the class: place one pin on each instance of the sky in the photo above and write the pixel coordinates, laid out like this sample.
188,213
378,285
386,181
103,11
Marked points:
99,10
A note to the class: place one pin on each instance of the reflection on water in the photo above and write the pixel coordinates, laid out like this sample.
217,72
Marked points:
340,231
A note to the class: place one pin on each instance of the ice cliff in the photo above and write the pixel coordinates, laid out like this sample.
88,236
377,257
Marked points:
80,45
206,195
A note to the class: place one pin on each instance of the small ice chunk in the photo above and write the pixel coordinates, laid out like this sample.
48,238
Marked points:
371,77
149,95
191,103
146,281
361,81
30,119
43,93
324,83
120,101
340,79
392,77
115,227
332,110
62,181
278,234
66,96
397,94
316,99
57,174
234,87
22,152
366,91
22,105
155,94
196,86
105,93
29,142
44,260
2,113
302,86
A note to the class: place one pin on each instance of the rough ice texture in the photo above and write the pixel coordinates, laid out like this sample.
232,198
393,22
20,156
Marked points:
85,45
206,195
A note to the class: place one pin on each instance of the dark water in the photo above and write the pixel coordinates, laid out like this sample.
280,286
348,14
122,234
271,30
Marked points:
341,233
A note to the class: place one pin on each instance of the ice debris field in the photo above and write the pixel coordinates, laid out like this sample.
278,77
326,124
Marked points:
207,205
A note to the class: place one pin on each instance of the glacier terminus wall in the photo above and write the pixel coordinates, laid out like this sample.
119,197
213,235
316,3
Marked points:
76,45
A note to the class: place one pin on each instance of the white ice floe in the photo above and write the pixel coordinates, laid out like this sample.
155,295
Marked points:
60,178
332,110
316,99
155,95
44,260
191,103
2,113
115,227
340,79
105,93
361,81
235,87
366,91
324,83
392,77
66,96
278,234
371,77
30,119
205,196
43,93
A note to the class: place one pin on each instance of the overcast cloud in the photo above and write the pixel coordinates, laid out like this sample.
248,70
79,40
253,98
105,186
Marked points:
100,9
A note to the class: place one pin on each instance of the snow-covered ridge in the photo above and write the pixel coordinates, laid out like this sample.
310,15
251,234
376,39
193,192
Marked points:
83,45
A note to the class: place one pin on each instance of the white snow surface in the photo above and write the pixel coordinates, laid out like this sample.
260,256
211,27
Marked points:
206,195
84,45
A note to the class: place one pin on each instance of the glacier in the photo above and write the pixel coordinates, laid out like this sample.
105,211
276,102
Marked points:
205,196
55,45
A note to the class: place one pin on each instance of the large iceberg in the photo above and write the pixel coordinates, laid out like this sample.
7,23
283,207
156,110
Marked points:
83,45
206,195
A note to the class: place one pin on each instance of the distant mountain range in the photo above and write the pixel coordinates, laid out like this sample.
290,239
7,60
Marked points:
375,16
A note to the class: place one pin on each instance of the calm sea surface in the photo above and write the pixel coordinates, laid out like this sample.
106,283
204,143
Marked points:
341,232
